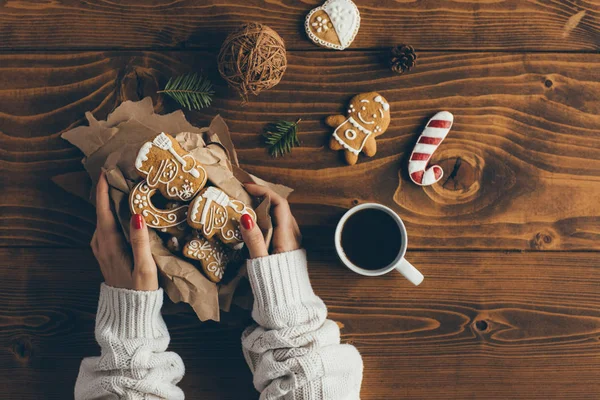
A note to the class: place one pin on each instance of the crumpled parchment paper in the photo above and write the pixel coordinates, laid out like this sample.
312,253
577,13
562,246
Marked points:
113,144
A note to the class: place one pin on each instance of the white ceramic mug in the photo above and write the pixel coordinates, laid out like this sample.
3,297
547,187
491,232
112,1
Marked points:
400,264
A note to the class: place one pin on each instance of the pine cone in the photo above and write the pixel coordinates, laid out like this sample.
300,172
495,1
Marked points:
402,58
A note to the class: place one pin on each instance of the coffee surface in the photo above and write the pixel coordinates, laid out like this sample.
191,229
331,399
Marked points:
371,239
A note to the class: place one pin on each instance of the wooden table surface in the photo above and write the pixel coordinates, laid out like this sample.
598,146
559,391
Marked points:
510,308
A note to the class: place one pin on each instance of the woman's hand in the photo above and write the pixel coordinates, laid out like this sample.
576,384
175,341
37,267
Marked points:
286,233
119,268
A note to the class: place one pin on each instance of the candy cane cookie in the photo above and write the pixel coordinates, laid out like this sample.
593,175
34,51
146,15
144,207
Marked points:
432,136
140,202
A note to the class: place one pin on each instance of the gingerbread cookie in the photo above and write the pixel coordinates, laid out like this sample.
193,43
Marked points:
368,116
140,202
170,169
211,254
213,213
334,24
174,236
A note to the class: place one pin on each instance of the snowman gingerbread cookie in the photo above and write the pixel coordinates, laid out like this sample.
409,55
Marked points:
214,213
368,116
170,169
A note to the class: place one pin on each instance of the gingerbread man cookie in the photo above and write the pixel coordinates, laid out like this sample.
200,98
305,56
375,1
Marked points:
334,24
368,116
211,254
170,169
213,213
140,202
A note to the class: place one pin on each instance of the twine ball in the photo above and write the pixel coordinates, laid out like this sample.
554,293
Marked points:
252,59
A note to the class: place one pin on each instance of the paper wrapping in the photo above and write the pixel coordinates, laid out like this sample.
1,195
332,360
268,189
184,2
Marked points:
113,144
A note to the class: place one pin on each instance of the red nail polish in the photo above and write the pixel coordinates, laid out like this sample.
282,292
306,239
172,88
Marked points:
138,221
249,183
247,222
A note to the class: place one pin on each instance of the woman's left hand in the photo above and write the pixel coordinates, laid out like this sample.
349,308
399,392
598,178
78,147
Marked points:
121,267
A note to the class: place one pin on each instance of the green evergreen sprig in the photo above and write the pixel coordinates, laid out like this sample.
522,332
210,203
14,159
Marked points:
281,137
192,91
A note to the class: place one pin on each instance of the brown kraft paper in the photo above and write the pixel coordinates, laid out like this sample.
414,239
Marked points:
113,144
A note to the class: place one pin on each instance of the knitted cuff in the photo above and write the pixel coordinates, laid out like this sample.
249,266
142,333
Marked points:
280,280
130,314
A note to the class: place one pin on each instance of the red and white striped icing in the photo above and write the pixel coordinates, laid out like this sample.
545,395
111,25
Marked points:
432,136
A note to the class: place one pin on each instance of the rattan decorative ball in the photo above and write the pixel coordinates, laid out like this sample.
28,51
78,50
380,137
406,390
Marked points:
252,59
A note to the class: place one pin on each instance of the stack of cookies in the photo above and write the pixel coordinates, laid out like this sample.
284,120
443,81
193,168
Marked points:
197,221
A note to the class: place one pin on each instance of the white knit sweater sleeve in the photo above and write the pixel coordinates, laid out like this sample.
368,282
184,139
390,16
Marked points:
133,338
294,352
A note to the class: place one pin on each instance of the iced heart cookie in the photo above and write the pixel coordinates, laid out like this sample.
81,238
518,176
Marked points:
211,254
368,116
334,24
170,169
213,213
140,202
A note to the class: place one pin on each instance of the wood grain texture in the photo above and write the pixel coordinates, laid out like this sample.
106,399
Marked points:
522,161
482,325
436,24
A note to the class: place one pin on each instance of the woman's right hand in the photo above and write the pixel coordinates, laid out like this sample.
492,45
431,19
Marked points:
121,266
286,233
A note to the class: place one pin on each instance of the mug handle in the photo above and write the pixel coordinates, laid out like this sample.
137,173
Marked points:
409,272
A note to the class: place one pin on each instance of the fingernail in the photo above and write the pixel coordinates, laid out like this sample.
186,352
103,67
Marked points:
247,222
249,183
138,221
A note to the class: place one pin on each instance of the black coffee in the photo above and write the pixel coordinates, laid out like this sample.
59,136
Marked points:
371,239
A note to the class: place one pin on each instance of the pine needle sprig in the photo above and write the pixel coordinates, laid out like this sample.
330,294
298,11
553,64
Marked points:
281,137
192,91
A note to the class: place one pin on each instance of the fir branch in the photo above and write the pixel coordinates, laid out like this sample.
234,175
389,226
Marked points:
192,91
281,137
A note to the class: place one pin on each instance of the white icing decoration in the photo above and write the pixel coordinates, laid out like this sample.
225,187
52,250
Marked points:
365,121
321,24
168,169
143,154
214,214
201,249
379,99
345,145
163,142
345,19
175,243
141,197
350,134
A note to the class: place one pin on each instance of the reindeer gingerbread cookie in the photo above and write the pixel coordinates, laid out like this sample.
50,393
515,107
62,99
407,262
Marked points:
170,169
368,116
214,213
